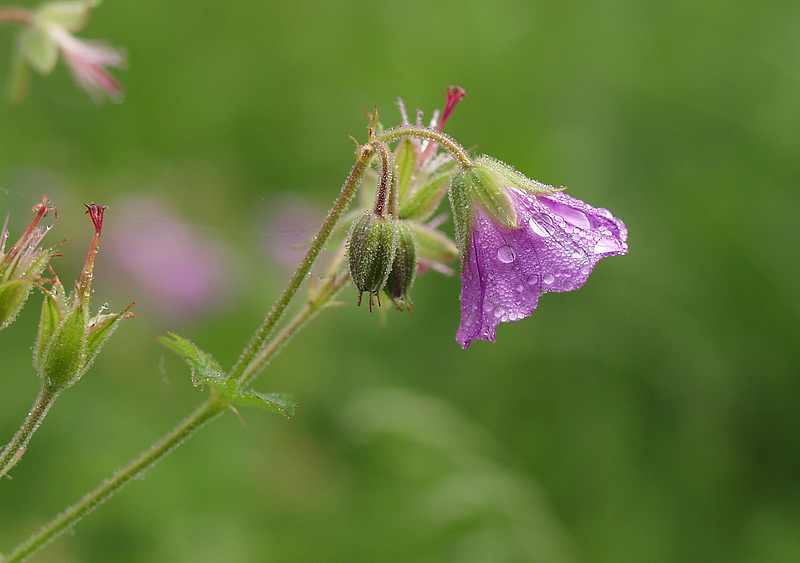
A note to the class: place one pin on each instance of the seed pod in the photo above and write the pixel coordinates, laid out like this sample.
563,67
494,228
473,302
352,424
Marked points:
404,267
370,251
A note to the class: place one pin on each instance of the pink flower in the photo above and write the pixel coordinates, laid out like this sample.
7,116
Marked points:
518,240
87,60
49,33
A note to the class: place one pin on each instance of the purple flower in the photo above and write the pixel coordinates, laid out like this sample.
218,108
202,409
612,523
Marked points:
519,239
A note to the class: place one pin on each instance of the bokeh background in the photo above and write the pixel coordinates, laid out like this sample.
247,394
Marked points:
651,416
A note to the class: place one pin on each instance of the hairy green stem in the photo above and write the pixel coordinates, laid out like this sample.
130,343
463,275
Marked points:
325,293
445,141
67,519
14,450
339,207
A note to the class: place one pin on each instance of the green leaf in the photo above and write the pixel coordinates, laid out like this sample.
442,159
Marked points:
406,163
283,403
202,364
39,49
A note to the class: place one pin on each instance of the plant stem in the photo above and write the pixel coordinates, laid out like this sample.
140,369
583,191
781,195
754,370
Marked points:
310,309
67,519
203,414
16,15
14,450
447,142
339,207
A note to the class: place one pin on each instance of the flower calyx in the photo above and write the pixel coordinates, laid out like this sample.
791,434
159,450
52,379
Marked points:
21,267
69,336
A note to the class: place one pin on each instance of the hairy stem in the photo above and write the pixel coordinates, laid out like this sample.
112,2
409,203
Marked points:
325,293
339,207
14,450
445,141
67,519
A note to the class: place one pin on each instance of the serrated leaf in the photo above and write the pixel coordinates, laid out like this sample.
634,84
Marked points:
406,163
278,402
200,362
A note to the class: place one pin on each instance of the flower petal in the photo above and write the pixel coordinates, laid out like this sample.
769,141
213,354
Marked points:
555,248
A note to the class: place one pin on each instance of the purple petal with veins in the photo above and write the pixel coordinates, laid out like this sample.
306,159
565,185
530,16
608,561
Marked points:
559,241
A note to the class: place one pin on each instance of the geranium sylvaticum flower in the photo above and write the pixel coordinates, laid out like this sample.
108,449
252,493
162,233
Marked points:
69,337
22,265
518,239
49,32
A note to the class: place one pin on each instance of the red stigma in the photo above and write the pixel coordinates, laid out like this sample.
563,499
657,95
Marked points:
454,95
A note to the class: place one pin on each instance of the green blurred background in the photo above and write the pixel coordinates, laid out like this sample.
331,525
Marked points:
650,416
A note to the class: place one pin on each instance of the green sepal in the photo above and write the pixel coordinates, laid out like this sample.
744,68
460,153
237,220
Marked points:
53,307
461,204
492,196
510,176
13,295
72,16
101,329
200,362
64,359
39,48
423,203
406,157
433,245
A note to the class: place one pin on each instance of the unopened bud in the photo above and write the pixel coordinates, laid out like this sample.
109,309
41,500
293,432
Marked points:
371,250
404,266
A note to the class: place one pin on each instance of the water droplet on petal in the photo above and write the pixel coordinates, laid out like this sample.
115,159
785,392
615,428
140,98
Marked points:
548,279
541,224
533,279
505,254
606,245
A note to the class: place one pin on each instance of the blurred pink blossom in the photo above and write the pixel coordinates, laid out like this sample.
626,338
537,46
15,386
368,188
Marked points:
175,270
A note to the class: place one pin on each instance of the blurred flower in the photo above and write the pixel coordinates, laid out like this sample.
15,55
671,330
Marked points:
177,271
21,267
289,224
518,239
49,31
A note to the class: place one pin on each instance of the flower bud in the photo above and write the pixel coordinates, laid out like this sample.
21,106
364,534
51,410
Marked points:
404,266
21,267
371,250
69,338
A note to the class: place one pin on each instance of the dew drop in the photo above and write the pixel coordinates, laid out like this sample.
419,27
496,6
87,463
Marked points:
499,312
548,279
541,224
606,245
488,306
533,279
505,254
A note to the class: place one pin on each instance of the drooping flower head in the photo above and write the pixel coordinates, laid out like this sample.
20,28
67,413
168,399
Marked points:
518,239
49,32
